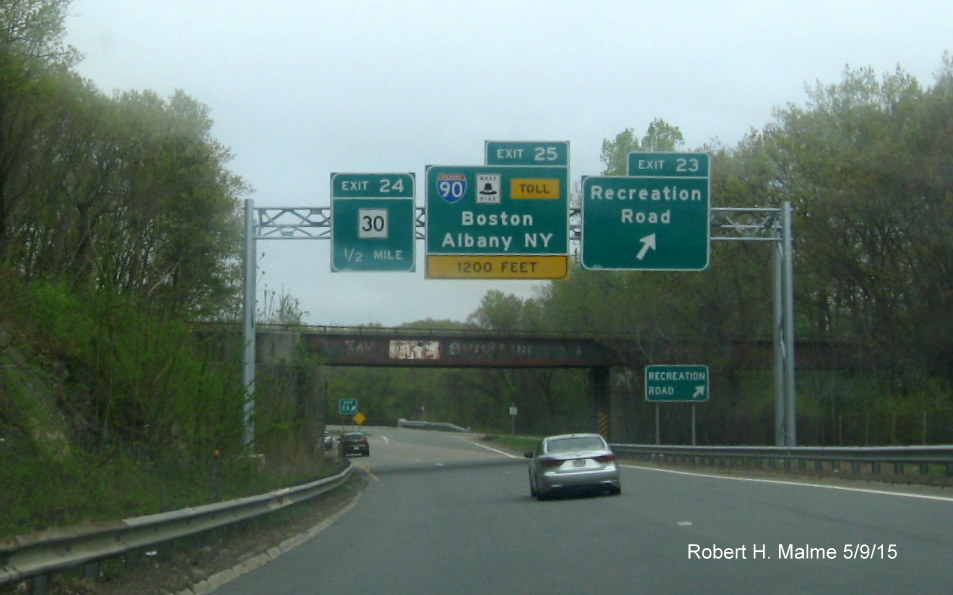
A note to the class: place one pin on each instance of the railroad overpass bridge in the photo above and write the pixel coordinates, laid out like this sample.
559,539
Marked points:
615,379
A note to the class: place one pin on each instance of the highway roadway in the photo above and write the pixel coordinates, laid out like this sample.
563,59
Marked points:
444,514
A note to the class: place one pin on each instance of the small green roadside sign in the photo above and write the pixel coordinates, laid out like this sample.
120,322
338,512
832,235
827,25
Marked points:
676,383
372,222
347,406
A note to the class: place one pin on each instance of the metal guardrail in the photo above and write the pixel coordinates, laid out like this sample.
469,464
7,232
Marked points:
38,555
430,425
873,457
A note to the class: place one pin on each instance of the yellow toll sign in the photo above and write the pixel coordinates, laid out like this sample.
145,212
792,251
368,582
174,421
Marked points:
497,267
538,188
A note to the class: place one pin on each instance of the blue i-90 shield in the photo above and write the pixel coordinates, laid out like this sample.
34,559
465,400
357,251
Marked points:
451,187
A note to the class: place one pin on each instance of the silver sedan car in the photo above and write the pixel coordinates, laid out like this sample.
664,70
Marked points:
573,462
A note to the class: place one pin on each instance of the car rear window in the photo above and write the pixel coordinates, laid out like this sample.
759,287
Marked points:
576,444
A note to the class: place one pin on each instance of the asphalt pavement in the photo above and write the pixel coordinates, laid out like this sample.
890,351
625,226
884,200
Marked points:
442,514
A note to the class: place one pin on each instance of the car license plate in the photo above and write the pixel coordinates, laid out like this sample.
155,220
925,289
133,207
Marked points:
579,463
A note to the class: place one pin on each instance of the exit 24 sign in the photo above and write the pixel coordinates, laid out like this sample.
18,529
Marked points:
372,222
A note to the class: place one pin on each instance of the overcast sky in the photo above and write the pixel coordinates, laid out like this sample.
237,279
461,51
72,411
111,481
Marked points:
299,89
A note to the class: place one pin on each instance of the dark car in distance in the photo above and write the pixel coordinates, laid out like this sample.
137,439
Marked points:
354,443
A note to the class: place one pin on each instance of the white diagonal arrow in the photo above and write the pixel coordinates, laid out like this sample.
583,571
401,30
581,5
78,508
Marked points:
648,242
699,391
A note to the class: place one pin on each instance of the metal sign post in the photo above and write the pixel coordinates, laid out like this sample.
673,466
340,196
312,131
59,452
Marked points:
248,328
772,225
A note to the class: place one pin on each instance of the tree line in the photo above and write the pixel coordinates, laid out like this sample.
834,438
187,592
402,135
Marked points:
128,192
119,228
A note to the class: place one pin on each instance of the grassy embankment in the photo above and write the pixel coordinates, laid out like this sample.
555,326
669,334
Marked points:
110,410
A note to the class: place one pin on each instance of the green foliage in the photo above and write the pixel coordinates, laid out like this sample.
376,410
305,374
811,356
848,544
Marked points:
35,28
519,444
129,193
119,221
660,136
281,309
110,408
42,492
867,165
135,376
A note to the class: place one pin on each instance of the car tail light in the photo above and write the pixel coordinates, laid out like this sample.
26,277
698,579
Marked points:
550,462
604,458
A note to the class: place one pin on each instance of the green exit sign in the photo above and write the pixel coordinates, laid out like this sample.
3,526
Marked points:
676,383
656,218
347,406
372,185
670,165
500,152
372,222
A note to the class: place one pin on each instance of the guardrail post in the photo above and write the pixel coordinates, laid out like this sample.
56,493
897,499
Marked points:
41,584
601,399
91,571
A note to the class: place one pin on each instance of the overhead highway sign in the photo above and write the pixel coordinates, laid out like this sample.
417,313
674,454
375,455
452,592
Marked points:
497,222
657,218
372,222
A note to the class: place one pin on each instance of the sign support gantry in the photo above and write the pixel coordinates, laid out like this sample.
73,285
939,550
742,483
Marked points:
726,224
771,225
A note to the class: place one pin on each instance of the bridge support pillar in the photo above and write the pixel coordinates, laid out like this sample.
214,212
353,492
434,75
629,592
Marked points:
616,397
626,394
601,408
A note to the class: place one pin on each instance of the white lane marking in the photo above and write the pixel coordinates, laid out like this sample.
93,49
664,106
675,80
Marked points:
797,483
226,576
506,454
